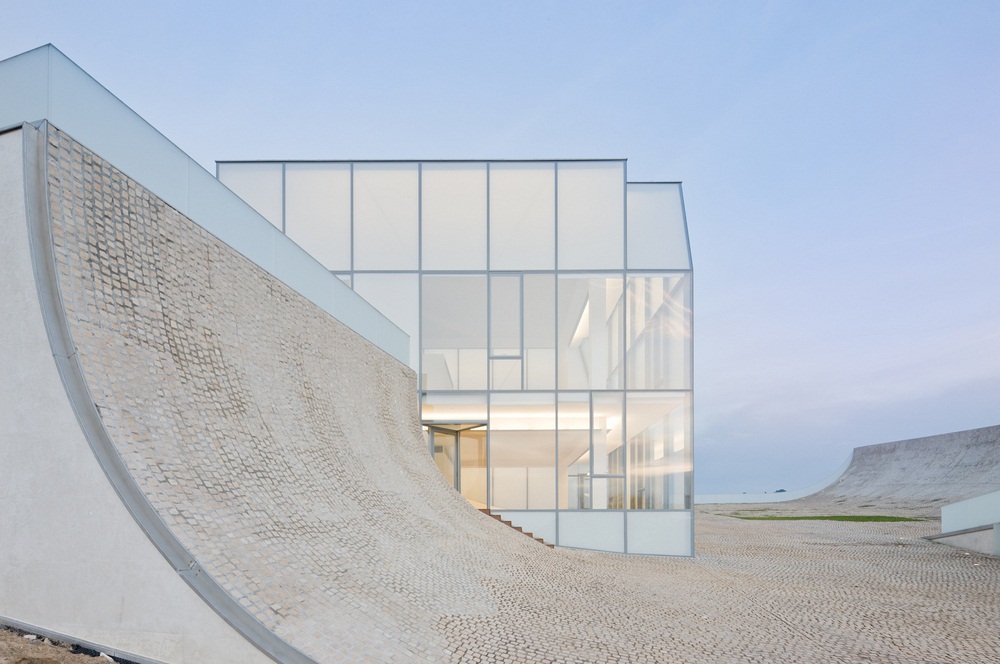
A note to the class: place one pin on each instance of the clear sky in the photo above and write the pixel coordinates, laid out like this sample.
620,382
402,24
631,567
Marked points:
840,160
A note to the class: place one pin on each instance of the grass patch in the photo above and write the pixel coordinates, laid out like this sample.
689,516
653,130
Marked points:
843,517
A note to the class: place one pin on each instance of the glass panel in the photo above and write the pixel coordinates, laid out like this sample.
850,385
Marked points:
467,408
445,453
454,332
659,332
472,454
397,297
658,430
257,184
318,211
385,216
453,218
522,216
505,374
591,319
608,434
505,315
522,451
539,331
574,450
591,215
607,493
657,234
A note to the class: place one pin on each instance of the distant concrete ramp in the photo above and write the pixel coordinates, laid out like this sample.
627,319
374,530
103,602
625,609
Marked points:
919,472
941,468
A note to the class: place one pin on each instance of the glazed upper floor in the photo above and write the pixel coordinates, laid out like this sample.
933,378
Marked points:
559,215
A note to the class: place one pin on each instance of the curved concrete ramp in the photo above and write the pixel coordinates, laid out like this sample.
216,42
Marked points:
929,470
270,456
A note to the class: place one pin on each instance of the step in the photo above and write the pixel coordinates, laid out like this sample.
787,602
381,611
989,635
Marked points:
487,512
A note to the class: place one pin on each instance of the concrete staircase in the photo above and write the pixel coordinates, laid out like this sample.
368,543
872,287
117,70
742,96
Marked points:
487,512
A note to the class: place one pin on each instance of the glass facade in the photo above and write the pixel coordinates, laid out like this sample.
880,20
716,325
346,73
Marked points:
549,306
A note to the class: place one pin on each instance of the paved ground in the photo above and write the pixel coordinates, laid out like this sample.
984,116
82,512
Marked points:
828,591
283,453
781,591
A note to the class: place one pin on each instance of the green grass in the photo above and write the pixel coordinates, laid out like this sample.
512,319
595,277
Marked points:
853,518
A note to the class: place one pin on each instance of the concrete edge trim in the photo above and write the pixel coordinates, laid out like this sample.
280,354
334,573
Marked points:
66,638
88,413
963,531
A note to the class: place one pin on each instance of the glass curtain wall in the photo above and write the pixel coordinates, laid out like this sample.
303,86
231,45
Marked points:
549,308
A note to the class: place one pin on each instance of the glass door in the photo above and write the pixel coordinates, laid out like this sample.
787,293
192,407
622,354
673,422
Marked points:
459,452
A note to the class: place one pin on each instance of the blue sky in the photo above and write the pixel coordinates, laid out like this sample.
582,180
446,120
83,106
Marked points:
840,160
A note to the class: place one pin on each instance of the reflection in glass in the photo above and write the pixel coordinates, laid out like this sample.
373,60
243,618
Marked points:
607,451
591,318
574,450
658,429
539,331
522,451
505,315
659,332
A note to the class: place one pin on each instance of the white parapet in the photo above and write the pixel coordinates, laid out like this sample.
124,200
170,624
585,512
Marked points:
44,84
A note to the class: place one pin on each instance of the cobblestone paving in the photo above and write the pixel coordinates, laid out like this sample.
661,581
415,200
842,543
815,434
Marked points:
284,452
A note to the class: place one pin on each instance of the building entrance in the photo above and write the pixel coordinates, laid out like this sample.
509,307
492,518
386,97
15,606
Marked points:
459,452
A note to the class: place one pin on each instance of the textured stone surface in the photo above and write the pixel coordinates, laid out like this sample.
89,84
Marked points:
284,452
943,468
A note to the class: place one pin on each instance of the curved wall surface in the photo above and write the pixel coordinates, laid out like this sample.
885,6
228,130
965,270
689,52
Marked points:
271,456
73,561
933,469
945,467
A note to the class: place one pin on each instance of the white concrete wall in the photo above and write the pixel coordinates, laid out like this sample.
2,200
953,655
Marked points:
971,513
72,558
985,541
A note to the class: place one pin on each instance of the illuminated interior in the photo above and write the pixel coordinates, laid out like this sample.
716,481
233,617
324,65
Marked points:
548,305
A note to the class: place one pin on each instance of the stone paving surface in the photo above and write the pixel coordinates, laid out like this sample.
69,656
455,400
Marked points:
284,451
